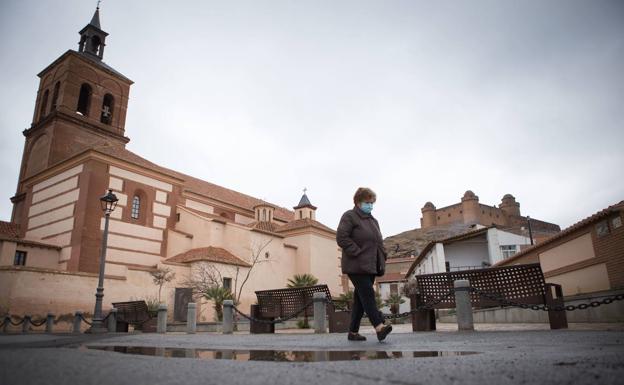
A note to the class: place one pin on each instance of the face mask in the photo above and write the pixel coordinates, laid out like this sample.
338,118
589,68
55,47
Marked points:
366,207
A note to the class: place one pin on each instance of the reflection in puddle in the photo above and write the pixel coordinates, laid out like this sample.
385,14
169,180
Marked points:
277,355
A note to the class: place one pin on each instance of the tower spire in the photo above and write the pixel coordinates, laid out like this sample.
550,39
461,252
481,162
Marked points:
95,20
92,37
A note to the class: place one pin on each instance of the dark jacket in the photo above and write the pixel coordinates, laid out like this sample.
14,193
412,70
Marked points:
362,244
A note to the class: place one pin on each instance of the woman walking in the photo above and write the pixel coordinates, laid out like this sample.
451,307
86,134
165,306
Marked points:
363,258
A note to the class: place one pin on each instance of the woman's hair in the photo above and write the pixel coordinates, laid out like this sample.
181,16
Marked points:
363,194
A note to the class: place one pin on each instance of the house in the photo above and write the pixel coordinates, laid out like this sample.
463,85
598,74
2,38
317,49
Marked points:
587,257
477,249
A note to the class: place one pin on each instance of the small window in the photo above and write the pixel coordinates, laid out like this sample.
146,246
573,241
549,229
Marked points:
508,250
227,283
20,258
136,207
602,228
55,94
107,109
84,99
300,214
616,222
177,217
44,105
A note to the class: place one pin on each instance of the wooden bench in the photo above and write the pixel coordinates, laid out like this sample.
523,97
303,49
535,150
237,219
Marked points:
134,313
523,284
280,303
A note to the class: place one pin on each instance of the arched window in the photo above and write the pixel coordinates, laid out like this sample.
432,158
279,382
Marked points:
84,99
44,104
96,45
107,109
57,86
136,207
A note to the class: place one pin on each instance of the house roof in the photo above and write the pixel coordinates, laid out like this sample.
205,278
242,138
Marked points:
196,185
578,225
454,238
9,229
391,277
210,254
304,223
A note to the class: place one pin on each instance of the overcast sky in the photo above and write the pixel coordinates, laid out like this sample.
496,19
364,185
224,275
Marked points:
418,100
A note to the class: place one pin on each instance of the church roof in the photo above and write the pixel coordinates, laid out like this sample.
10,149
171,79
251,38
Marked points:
304,223
196,185
95,20
210,254
9,229
305,202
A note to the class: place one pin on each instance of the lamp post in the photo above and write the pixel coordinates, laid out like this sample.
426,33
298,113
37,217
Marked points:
108,202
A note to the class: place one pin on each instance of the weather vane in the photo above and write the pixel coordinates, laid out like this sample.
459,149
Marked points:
305,189
98,4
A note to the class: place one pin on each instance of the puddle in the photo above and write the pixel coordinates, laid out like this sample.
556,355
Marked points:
277,355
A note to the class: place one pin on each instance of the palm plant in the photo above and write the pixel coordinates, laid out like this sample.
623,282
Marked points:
302,280
394,301
217,294
345,300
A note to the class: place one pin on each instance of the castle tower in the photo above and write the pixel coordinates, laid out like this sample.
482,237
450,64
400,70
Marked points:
509,205
470,207
428,215
305,209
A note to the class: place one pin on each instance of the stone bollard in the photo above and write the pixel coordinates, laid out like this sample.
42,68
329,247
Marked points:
162,319
112,320
228,316
462,305
26,324
77,321
49,323
191,318
7,322
319,300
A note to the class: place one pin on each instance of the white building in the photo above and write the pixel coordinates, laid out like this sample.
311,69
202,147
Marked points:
473,250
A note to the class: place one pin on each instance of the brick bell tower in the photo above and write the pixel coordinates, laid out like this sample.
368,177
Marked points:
81,103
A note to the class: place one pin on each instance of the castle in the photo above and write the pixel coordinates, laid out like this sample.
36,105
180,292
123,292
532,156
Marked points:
75,150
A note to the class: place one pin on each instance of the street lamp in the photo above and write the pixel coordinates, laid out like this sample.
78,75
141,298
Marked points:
108,203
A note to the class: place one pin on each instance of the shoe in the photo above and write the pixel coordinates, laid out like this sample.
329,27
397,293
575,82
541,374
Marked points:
355,337
384,332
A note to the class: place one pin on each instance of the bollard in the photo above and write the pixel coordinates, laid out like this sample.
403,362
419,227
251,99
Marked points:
462,305
162,319
191,318
112,320
26,324
228,316
7,322
77,321
49,323
319,313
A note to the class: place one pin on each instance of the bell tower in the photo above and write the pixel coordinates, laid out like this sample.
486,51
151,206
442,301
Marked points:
81,104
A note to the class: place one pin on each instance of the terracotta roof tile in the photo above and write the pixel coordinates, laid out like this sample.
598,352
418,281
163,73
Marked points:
9,229
195,185
270,227
584,222
391,277
303,223
210,254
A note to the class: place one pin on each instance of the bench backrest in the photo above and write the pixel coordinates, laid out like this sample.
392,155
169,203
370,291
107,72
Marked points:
132,311
284,302
520,283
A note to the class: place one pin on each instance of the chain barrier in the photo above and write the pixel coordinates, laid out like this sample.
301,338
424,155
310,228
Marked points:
276,320
38,323
85,320
16,323
506,302
427,306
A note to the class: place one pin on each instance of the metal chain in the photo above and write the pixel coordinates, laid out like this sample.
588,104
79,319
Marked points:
85,320
16,323
36,324
276,320
427,306
506,302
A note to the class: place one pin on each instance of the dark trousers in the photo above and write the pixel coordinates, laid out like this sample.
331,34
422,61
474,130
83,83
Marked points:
364,301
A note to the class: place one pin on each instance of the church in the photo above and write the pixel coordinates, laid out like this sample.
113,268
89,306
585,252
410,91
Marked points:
75,151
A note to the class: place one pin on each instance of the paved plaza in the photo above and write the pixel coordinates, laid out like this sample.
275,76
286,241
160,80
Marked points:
507,354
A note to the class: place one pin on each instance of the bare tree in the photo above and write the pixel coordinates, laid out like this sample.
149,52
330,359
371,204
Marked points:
258,256
161,276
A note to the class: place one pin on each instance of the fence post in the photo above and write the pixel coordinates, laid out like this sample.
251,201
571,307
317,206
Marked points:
112,320
319,312
228,316
26,324
462,305
191,318
7,322
77,321
162,318
49,323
